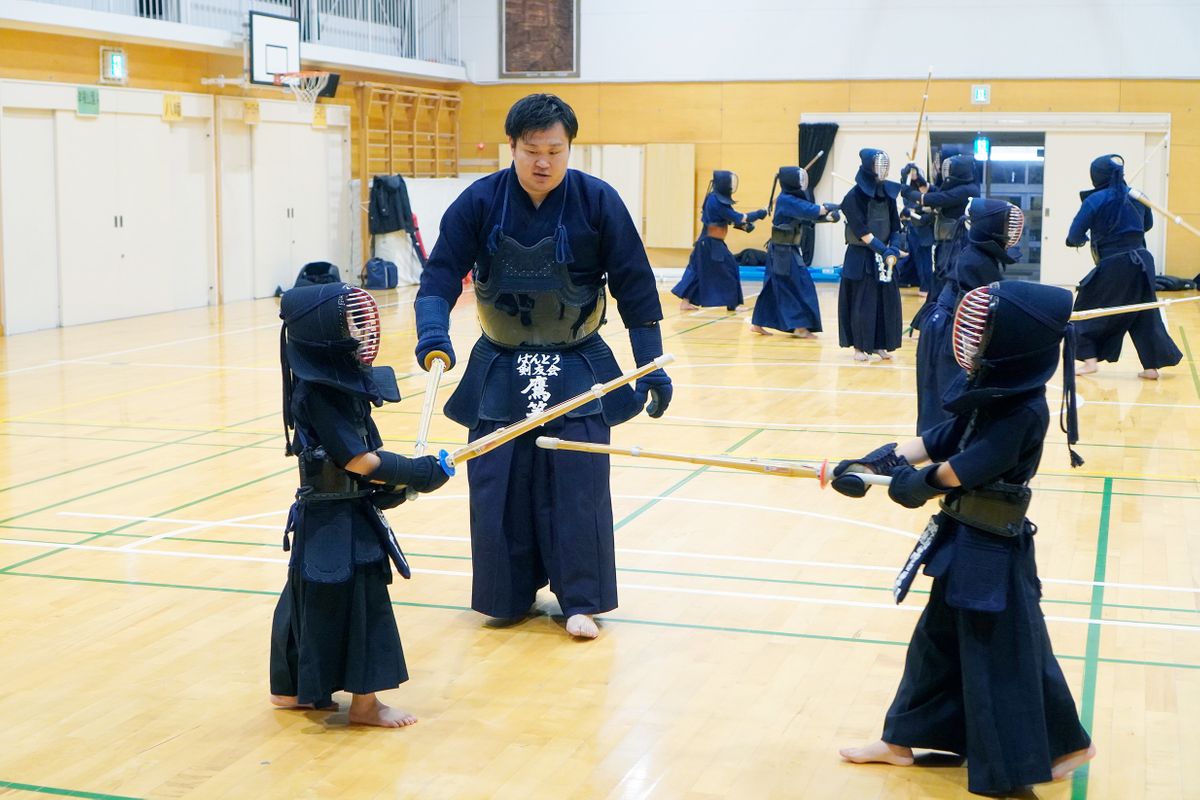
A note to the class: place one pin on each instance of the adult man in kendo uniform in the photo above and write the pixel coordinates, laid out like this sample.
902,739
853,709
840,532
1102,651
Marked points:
542,241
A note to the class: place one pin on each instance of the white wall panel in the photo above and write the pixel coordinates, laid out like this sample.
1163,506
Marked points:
711,40
29,218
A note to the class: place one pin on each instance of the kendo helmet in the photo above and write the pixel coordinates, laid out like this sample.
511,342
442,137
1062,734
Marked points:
958,168
1105,169
1006,338
331,334
793,180
875,162
724,183
995,221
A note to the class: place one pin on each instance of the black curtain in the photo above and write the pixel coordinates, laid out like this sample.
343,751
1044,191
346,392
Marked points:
814,137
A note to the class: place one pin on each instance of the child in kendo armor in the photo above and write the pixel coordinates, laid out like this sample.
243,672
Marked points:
980,678
334,629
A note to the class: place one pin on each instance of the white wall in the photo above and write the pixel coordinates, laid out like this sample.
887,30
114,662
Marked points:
758,40
430,197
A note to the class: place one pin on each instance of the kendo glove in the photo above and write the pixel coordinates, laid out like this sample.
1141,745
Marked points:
646,342
755,216
880,461
833,212
913,488
423,473
433,331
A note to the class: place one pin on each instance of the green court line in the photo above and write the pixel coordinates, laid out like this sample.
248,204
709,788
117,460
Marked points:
675,573
603,617
137,522
29,787
1191,362
694,327
154,446
130,481
694,473
1079,782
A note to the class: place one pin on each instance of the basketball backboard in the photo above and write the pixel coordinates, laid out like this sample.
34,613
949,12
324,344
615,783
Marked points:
274,47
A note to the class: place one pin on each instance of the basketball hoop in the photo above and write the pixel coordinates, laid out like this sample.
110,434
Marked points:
304,86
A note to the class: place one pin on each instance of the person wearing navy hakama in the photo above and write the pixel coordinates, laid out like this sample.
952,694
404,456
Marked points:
995,226
980,676
948,203
712,276
333,628
788,300
918,232
542,241
868,300
1124,274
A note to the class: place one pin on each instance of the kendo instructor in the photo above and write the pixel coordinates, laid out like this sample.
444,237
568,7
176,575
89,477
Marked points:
542,242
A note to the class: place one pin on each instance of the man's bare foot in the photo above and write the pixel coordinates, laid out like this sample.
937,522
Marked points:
1065,765
686,306
291,701
1148,374
803,333
759,329
879,752
884,354
582,626
859,355
922,295
365,709
1086,367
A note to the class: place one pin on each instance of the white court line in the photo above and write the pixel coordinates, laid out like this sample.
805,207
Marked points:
643,587
792,426
1151,587
892,606
136,543
675,367
144,347
745,388
153,365
112,353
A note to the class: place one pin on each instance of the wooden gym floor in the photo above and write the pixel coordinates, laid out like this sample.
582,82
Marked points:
143,490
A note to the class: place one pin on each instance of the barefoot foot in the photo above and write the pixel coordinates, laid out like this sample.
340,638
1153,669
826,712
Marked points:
859,355
803,333
1148,374
1065,765
879,752
582,626
686,306
884,354
1087,367
760,330
365,709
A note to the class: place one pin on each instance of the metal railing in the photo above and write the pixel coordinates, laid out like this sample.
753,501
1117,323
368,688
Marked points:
425,30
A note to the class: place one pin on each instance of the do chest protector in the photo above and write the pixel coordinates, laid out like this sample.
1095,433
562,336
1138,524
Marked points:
527,299
879,223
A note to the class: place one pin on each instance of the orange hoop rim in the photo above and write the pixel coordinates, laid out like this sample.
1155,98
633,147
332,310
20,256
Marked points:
279,77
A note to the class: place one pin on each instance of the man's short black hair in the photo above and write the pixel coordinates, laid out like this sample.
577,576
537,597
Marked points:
537,112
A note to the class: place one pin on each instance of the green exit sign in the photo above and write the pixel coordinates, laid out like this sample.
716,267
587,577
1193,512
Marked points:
981,94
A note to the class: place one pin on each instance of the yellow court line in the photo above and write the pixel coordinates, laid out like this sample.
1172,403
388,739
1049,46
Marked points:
112,396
